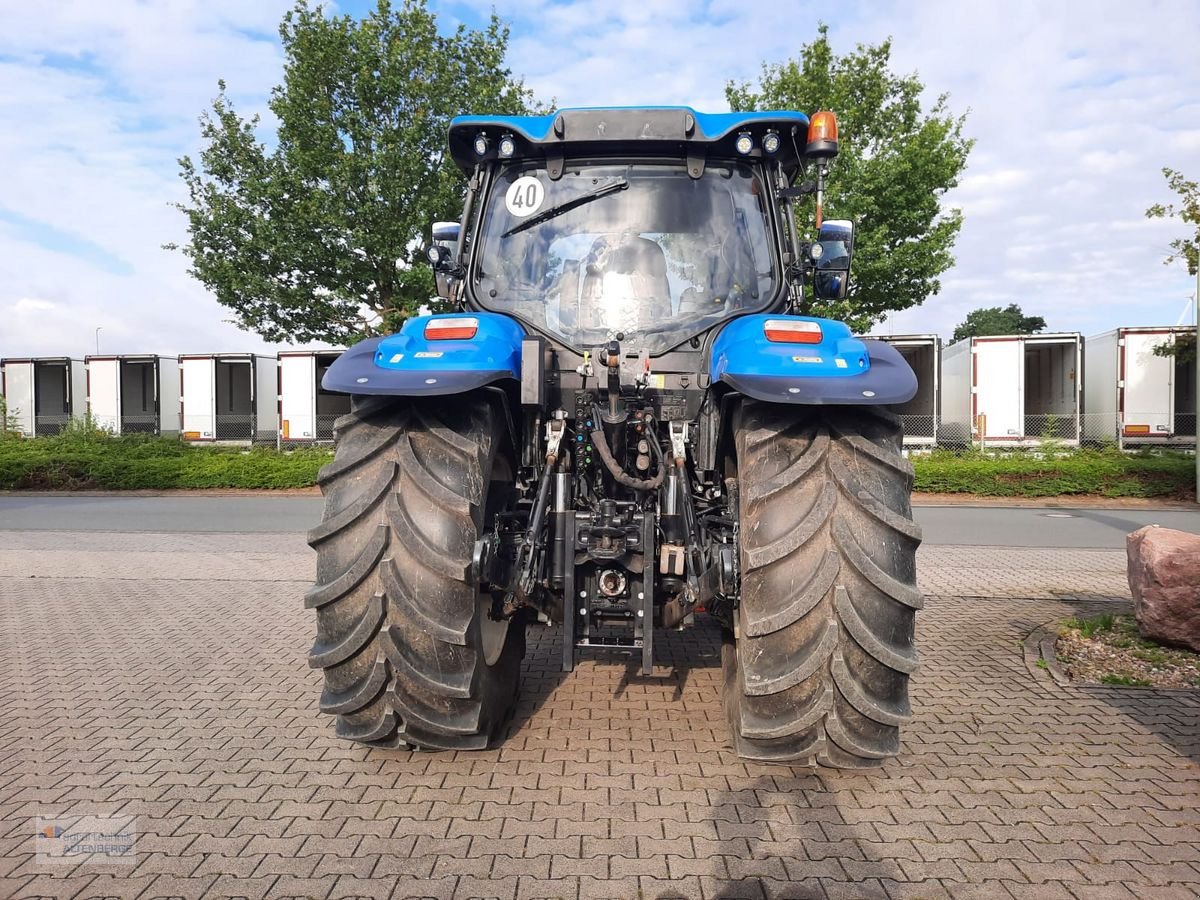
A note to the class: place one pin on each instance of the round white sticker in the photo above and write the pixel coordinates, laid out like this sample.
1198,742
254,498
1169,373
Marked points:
525,196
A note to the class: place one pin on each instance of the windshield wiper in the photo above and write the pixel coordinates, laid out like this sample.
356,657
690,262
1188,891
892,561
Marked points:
552,212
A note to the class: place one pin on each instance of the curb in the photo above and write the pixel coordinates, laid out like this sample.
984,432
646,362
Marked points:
1061,501
1039,648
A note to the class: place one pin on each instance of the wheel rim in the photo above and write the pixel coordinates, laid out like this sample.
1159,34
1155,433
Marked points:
493,633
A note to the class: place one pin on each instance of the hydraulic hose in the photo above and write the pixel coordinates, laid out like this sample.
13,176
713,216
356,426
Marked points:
600,442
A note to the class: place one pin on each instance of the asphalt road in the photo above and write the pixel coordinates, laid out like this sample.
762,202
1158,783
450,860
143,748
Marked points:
1044,527
943,525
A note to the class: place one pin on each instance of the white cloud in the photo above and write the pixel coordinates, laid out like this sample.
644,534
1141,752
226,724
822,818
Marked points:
1092,99
995,180
29,306
98,102
1105,162
1186,141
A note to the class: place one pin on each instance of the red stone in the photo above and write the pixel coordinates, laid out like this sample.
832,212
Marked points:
1164,578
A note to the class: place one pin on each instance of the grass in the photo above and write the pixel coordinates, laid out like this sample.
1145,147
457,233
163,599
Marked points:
84,458
1089,628
1100,473
1125,680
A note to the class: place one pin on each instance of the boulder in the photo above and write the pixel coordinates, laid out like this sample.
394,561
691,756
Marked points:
1164,578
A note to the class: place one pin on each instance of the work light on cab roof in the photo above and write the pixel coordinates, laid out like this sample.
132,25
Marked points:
624,419
784,135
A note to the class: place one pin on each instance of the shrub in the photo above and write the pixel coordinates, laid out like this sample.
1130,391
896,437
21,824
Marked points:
9,427
1105,472
84,457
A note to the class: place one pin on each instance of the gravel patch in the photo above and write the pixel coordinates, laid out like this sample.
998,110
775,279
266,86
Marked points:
1107,649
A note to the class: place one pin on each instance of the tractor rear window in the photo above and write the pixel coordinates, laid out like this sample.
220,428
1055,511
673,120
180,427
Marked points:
643,250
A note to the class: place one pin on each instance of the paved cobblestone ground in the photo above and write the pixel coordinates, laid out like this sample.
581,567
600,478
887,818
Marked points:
163,677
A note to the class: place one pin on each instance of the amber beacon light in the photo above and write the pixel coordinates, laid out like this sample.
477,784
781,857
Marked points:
822,135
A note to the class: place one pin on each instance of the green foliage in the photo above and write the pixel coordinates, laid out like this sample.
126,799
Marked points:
10,428
1156,656
90,458
1050,445
895,163
1183,348
1102,473
1188,209
81,459
998,320
1089,628
83,430
319,238
1125,680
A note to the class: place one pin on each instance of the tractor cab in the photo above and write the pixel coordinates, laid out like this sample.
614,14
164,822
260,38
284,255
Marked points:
655,224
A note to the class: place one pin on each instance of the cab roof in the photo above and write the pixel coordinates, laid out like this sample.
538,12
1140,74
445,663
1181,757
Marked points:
671,131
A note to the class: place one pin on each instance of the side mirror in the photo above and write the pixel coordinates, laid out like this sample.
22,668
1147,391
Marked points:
441,255
445,232
831,254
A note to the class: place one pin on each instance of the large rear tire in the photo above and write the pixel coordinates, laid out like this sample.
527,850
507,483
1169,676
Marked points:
410,653
819,670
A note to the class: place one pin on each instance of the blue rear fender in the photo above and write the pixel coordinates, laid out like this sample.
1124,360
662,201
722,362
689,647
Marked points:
839,369
407,364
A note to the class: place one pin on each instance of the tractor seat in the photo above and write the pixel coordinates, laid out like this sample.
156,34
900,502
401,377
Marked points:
625,284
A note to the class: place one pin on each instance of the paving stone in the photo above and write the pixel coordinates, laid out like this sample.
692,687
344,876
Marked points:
291,886
185,701
379,888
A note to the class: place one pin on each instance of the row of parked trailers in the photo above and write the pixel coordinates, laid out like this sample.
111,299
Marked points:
1022,389
1016,390
234,397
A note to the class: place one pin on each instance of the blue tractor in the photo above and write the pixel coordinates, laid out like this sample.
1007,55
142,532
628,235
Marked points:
627,420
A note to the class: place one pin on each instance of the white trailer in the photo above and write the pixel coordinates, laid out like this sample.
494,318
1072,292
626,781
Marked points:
306,410
43,394
1135,397
920,414
228,397
134,393
1013,389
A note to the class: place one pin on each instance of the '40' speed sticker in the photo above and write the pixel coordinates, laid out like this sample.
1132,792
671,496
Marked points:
525,196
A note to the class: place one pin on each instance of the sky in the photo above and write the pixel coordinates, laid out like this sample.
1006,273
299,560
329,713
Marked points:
1075,107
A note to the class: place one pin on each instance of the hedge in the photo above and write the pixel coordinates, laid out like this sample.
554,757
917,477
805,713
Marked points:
130,462
83,459
1101,473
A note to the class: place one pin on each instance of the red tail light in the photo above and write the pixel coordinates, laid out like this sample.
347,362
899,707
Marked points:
455,329
792,331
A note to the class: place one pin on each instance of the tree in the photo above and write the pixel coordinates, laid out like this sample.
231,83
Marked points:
320,237
10,426
997,320
1184,248
1183,348
895,163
